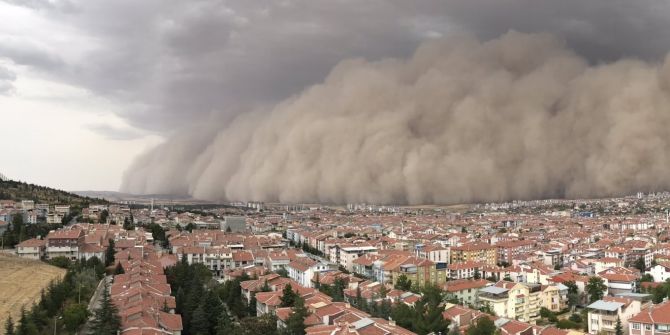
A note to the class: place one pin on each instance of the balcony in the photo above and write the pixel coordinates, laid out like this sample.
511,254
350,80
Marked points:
493,297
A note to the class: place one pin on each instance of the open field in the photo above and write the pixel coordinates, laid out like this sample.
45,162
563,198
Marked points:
21,281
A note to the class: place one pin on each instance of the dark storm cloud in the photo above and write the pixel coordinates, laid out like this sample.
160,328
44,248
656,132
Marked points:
174,61
190,69
177,62
601,30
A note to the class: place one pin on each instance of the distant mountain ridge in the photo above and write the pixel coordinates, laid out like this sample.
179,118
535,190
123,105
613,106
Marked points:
17,191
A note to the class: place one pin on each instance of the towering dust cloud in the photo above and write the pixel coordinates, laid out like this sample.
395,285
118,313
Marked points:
518,117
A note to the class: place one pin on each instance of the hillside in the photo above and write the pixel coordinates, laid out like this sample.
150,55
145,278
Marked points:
15,190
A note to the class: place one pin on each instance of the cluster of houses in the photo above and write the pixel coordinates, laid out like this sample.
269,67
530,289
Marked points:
143,295
514,265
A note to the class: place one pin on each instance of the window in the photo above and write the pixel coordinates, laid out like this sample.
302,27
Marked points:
647,327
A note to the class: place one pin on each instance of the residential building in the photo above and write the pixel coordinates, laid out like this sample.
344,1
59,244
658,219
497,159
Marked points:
660,272
652,320
603,314
32,249
475,252
513,300
465,291
65,243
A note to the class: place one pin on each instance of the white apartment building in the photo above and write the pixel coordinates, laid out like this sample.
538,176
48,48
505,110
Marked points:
603,314
346,255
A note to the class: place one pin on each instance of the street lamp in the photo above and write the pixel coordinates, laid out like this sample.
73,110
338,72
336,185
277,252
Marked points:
55,323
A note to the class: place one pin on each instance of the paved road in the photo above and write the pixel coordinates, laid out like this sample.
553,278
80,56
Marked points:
94,303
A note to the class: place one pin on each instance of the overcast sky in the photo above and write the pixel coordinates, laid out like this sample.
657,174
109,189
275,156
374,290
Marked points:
86,86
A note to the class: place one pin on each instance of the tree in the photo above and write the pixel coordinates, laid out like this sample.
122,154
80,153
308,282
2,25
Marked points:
567,324
573,293
225,324
25,327
576,318
595,288
103,216
640,264
483,326
282,272
295,324
199,322
214,308
428,310
74,316
383,291
337,292
106,319
288,297
109,253
403,283
9,326
128,224
646,278
618,328
478,275
61,262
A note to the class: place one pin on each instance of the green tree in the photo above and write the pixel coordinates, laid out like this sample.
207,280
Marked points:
288,297
640,264
128,224
573,293
109,253
567,324
428,312
199,322
618,328
478,275
9,326
646,278
119,269
106,319
74,316
483,326
295,324
282,272
403,283
225,324
595,288
213,306
337,291
61,262
104,215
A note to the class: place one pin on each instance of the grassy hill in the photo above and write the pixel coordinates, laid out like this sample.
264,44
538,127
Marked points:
16,190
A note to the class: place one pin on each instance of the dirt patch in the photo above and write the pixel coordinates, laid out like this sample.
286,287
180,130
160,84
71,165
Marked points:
21,281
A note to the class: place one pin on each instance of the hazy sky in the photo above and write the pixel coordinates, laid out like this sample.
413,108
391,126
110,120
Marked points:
88,85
